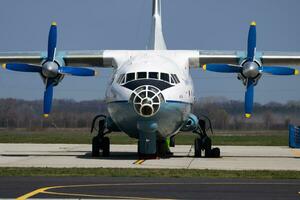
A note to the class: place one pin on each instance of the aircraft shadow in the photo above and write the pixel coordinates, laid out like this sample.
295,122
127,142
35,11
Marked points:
113,156
123,156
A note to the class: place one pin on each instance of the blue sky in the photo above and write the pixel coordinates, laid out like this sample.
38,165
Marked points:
120,24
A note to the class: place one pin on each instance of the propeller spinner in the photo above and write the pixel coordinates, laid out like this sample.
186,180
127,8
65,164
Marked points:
50,69
250,69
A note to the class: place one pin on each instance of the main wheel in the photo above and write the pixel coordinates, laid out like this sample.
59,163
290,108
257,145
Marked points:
96,145
207,147
198,147
215,153
105,147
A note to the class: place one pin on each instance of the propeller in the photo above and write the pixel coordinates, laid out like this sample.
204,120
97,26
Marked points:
50,70
250,69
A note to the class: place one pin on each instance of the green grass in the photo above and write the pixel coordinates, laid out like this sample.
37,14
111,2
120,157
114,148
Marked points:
175,173
81,137
270,140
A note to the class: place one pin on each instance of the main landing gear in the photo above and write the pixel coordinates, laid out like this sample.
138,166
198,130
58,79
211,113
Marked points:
100,142
203,142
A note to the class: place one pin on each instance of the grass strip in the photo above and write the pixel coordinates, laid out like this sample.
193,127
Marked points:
124,172
117,138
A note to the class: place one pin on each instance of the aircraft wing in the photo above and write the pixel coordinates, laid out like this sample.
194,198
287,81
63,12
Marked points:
71,58
235,57
244,64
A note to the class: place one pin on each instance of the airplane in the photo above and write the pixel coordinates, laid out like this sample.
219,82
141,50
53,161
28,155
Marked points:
150,94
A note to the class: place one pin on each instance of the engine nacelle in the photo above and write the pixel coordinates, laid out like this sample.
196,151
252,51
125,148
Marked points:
190,124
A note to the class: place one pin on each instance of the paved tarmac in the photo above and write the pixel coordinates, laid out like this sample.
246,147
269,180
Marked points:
125,156
146,188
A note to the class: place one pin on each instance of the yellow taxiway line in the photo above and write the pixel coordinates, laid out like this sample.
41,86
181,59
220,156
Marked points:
44,190
33,193
139,162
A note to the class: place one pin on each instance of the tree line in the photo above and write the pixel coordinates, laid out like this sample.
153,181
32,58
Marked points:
224,114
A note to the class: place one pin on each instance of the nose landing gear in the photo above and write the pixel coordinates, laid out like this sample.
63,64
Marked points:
203,142
100,142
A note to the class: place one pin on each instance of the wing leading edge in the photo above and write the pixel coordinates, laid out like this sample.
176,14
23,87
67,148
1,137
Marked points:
87,58
236,57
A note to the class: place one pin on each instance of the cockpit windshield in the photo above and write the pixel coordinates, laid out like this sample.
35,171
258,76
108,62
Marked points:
170,78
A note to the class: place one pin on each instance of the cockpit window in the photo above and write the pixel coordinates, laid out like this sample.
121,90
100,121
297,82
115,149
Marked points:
175,78
141,75
172,80
121,78
130,77
153,75
164,77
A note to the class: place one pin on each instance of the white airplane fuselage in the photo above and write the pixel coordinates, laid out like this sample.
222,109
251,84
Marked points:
150,86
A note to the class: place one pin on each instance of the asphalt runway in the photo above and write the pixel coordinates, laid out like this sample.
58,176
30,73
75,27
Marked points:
125,156
146,188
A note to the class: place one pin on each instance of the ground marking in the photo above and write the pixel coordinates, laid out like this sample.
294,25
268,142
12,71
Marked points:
33,193
44,190
139,162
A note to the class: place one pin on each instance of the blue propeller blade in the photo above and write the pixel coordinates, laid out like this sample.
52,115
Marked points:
77,71
22,67
279,70
48,95
251,42
52,39
224,68
249,95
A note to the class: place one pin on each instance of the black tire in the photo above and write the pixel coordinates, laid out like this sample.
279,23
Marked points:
162,149
215,153
96,145
208,153
105,147
207,147
172,141
198,147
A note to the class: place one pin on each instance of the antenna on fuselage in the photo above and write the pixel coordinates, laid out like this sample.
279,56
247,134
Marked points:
157,41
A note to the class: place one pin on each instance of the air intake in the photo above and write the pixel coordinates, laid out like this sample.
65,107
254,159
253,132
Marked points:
147,100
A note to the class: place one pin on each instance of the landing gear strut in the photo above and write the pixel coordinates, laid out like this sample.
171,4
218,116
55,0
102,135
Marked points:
100,142
203,142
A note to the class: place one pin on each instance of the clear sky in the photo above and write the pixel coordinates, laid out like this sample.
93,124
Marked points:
125,24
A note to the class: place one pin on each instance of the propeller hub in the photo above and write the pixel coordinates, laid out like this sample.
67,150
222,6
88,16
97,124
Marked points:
50,69
250,69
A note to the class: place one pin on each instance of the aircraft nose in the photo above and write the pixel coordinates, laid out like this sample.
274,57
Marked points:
146,100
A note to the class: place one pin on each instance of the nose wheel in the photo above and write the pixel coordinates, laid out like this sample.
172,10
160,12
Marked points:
100,143
203,143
